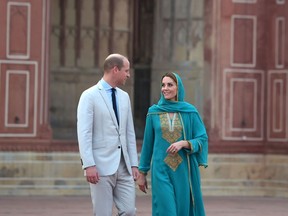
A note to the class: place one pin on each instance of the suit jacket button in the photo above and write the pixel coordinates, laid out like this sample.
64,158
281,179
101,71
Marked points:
119,147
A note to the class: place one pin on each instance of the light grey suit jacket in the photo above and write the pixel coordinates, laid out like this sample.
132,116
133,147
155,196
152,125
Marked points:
100,138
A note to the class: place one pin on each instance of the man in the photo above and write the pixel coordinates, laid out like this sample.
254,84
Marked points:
107,141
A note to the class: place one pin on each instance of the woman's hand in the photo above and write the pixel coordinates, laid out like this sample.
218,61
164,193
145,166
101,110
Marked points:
177,146
142,182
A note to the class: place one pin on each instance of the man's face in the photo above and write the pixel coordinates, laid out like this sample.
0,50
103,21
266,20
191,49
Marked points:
124,73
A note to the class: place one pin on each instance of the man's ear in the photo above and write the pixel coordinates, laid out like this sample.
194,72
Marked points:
115,69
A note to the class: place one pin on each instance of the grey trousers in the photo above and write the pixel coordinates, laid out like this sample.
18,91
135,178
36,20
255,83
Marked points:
118,189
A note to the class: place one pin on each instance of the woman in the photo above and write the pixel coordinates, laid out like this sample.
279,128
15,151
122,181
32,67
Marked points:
175,145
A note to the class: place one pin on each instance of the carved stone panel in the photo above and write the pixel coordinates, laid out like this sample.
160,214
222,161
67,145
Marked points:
249,75
24,70
243,100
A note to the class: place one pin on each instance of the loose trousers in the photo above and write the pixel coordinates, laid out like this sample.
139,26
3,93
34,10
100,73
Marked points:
118,188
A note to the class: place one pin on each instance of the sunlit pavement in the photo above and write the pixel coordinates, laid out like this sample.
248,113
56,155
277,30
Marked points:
81,205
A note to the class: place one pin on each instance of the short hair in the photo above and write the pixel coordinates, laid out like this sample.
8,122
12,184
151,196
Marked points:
114,60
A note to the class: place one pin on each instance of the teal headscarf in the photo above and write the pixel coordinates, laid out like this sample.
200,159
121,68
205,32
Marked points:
188,113
179,105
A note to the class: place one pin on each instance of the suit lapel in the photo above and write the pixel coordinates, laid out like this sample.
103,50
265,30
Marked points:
108,103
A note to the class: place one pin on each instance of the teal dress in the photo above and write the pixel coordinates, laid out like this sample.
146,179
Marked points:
175,179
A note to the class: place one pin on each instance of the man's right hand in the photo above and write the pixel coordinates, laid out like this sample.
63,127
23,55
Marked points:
92,175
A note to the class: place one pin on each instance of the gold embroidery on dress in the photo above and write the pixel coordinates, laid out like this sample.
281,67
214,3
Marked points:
173,161
171,131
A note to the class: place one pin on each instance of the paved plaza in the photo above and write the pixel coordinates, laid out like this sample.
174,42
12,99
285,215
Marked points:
81,205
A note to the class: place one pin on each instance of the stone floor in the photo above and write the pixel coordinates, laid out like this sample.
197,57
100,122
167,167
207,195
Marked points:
81,205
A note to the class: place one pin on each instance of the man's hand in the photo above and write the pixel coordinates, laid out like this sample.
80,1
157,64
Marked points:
92,175
135,173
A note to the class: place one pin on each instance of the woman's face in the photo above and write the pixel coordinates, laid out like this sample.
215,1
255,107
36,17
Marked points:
169,88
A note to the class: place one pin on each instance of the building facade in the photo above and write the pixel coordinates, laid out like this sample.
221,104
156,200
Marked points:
231,55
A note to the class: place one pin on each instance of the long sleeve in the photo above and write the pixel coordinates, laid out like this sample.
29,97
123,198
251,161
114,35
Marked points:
147,146
84,129
196,136
131,139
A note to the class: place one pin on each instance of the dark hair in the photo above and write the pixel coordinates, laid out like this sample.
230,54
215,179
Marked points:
112,61
171,75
